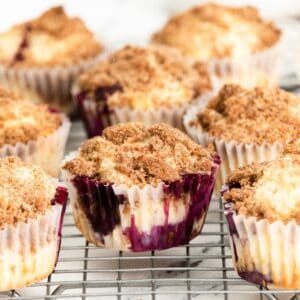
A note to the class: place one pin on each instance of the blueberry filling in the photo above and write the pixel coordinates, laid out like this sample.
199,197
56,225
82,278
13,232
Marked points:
103,92
19,55
234,185
95,124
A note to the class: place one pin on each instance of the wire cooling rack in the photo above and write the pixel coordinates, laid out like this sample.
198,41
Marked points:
201,270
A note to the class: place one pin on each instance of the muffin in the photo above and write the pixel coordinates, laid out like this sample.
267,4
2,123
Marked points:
148,85
262,207
33,132
236,42
32,206
245,125
139,188
41,57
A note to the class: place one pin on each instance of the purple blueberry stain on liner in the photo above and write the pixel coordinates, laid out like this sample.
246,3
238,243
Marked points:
99,203
94,125
256,277
252,276
101,206
61,198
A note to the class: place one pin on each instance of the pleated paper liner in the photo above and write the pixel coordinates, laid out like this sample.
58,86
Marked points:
265,253
46,152
259,69
29,251
140,219
51,85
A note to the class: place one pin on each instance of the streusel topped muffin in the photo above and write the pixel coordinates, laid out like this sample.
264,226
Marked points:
269,190
145,78
252,115
140,188
53,39
34,132
262,207
32,206
26,191
218,31
133,154
22,121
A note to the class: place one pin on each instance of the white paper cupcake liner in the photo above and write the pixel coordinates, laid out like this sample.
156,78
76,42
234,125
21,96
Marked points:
29,251
233,154
95,121
50,85
46,152
265,253
260,69
140,219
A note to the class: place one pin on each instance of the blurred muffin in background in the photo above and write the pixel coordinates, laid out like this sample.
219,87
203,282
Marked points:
245,125
31,218
236,42
40,58
148,85
33,132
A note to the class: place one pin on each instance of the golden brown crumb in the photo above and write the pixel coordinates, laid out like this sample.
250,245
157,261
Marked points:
217,31
51,39
134,154
267,190
293,147
25,191
22,121
252,115
151,77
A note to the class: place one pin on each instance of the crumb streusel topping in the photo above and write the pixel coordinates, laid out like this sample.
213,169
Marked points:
268,190
251,115
133,154
216,31
53,39
25,191
22,121
145,78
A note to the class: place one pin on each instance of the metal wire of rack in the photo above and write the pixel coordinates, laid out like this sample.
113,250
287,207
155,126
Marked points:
200,270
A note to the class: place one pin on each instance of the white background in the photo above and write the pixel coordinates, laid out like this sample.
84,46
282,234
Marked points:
122,21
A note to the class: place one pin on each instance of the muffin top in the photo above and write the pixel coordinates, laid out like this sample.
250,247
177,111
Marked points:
251,115
217,31
53,39
133,154
268,190
22,121
145,78
25,191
